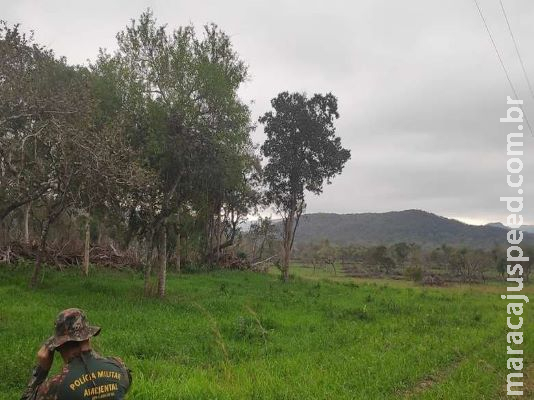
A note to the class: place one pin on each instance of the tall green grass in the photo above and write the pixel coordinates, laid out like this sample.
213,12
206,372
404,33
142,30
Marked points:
238,335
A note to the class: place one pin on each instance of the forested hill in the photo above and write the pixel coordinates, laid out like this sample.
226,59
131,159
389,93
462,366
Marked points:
411,226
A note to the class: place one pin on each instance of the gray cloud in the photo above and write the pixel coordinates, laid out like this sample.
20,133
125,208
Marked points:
419,85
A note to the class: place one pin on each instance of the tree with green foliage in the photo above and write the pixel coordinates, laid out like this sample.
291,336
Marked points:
50,152
302,154
470,264
500,266
57,152
379,256
35,89
401,251
178,91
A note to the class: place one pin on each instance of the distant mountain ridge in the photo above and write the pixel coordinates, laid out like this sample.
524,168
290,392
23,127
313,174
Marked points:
525,228
410,226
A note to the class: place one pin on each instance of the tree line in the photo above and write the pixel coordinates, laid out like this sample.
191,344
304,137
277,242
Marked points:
149,148
412,261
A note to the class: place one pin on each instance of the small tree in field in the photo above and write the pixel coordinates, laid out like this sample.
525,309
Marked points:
303,152
262,233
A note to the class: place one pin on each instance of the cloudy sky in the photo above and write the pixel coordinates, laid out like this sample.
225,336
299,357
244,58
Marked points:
419,85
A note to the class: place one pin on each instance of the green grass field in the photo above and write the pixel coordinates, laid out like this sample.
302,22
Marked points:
238,335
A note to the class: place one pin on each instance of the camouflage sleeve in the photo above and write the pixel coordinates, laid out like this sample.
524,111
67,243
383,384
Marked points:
38,377
48,390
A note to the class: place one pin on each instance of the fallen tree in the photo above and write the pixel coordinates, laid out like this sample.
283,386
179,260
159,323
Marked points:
68,255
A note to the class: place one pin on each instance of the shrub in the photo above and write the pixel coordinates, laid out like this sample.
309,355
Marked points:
414,273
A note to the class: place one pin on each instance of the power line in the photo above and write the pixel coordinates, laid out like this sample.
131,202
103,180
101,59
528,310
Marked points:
517,49
496,49
502,63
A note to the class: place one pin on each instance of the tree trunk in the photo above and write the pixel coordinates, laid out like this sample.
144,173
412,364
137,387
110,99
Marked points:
260,255
287,245
253,257
40,253
163,264
148,265
86,246
3,236
186,251
27,223
178,252
218,232
99,239
208,241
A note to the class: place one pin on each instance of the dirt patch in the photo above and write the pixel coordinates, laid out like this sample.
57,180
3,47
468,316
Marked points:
428,381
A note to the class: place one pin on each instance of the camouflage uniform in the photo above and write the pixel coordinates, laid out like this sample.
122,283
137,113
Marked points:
87,376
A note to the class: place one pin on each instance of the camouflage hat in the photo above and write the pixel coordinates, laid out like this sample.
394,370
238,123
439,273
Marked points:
71,326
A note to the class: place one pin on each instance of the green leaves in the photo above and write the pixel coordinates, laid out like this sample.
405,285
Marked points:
302,149
179,96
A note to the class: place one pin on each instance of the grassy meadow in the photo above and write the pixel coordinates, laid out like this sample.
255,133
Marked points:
240,335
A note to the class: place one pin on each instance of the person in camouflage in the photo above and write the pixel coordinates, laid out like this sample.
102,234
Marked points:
85,374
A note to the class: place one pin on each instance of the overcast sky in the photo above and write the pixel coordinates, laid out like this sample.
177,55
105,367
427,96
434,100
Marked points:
419,85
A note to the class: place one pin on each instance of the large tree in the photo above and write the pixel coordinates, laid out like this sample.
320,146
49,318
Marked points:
180,90
302,154
33,93
153,137
55,149
45,112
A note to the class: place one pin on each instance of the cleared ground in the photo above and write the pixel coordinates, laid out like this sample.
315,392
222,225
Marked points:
237,335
